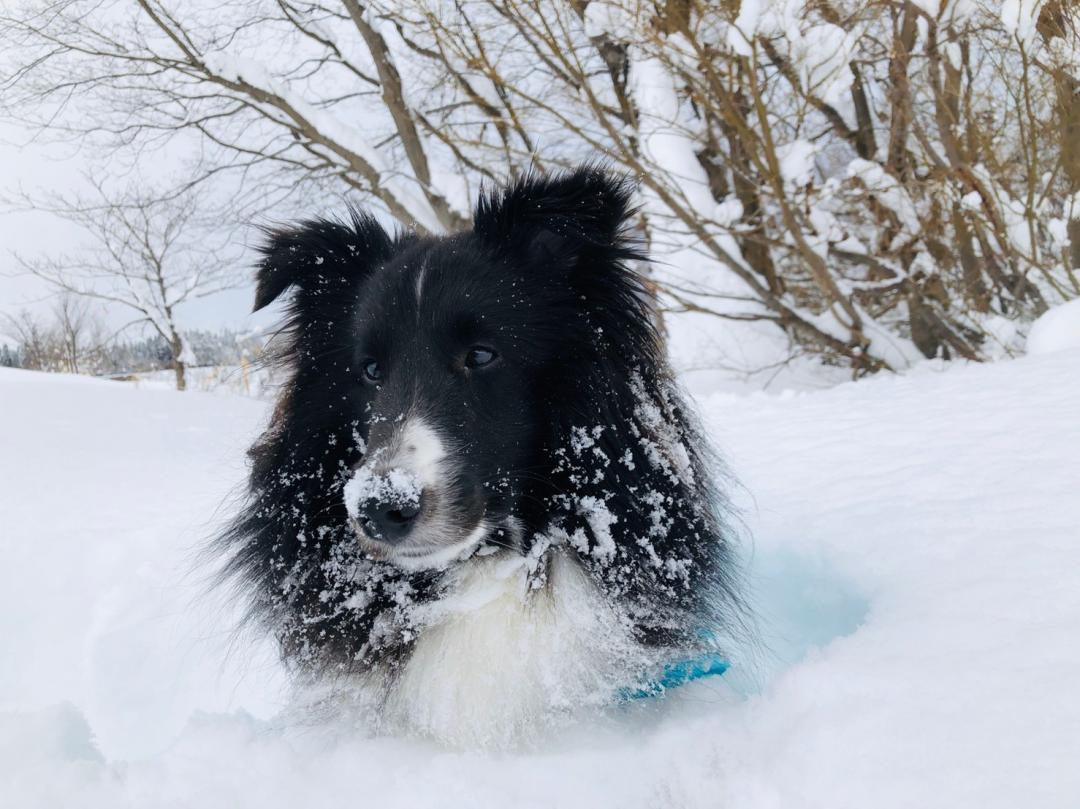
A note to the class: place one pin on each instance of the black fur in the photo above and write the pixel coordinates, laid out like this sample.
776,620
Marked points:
582,412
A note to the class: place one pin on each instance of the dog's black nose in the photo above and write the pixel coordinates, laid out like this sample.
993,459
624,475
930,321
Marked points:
387,520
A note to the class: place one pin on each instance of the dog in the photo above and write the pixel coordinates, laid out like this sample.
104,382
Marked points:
481,495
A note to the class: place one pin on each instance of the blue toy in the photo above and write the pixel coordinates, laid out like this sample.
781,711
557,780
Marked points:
677,674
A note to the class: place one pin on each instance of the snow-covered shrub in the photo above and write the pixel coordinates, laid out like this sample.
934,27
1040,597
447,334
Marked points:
867,183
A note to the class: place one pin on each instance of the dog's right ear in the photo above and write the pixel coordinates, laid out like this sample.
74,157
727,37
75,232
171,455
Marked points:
319,256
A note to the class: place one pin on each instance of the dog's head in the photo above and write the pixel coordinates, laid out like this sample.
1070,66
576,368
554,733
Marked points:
443,362
504,385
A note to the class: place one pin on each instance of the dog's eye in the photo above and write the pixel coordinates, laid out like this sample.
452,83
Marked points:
479,356
372,371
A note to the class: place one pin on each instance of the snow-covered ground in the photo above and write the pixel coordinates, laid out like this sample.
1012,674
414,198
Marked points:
916,561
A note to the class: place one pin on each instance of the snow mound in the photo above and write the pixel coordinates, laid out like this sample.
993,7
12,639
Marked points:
1056,330
916,567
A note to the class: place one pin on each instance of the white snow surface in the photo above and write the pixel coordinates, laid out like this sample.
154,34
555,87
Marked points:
916,569
1057,329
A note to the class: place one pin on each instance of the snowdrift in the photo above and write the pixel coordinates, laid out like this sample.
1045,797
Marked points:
916,566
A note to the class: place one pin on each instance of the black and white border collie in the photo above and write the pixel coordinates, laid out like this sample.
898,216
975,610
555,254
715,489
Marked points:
481,498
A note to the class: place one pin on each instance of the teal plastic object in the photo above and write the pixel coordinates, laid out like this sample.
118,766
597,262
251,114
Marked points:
677,674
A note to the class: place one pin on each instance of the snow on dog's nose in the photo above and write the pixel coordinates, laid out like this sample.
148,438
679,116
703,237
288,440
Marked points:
400,502
385,505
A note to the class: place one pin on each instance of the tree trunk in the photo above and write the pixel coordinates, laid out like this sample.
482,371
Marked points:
176,343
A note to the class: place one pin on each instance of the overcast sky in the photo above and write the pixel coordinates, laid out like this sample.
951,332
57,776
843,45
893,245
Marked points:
55,167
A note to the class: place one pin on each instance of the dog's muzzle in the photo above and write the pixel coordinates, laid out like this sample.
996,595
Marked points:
386,506
399,504
391,514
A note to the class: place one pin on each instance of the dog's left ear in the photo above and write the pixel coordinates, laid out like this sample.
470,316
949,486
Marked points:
319,256
558,219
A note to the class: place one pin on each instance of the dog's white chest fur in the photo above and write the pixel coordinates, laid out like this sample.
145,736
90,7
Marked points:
498,660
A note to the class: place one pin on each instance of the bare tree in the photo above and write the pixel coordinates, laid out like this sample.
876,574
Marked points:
39,346
71,341
148,254
335,114
867,182
82,332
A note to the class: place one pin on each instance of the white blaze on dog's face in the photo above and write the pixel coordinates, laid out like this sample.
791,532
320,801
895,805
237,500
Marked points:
448,390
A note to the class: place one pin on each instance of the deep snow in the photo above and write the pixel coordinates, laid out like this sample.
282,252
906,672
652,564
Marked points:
916,560
1056,329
